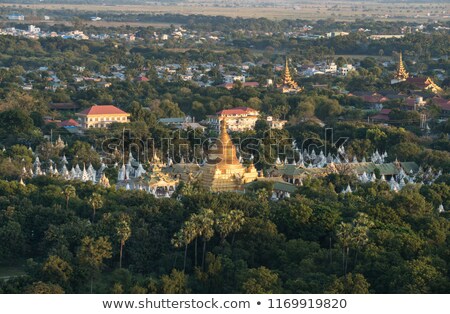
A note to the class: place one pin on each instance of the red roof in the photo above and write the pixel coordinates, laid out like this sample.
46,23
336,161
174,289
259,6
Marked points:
64,106
68,123
237,110
374,98
104,109
246,84
444,104
382,115
142,79
420,82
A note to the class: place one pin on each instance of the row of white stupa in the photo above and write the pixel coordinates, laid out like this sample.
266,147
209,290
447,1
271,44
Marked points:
86,174
399,181
320,160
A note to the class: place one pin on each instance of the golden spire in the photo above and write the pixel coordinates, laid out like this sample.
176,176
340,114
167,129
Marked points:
287,79
224,151
401,71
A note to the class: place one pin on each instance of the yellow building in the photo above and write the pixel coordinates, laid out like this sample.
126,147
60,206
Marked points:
101,116
238,119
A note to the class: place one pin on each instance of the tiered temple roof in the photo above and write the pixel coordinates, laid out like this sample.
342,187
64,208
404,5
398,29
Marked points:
401,73
289,85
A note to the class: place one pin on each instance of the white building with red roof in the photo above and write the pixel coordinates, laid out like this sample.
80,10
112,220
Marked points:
238,119
102,116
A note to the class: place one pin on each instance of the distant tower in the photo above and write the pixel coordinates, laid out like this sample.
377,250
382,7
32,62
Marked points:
289,85
401,73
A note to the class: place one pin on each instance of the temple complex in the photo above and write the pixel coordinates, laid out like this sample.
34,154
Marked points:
421,83
289,85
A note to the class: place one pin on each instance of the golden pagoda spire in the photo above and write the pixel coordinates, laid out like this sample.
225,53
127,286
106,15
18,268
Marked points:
401,71
287,79
225,146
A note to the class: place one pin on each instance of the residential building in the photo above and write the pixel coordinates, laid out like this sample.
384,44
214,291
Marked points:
102,116
16,17
238,119
275,123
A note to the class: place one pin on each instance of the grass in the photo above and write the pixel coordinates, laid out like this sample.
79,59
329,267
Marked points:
339,10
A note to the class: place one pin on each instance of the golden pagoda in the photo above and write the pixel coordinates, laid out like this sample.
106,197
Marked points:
289,85
104,181
401,73
223,171
432,86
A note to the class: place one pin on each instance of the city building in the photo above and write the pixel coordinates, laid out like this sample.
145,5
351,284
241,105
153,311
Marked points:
16,17
101,116
238,119
275,123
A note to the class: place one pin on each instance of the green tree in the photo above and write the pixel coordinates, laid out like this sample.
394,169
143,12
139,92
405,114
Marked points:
92,253
123,231
96,202
69,192
261,281
175,283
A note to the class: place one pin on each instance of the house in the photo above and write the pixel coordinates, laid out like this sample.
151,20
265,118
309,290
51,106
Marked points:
230,86
238,119
345,69
64,106
443,104
16,17
71,123
102,116
382,116
275,123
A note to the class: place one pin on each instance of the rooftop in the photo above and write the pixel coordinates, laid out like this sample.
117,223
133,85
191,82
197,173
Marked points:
104,109
237,110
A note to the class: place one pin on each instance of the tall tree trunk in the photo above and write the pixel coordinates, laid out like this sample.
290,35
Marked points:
195,262
93,214
346,260
121,250
67,203
185,256
203,258
331,254
356,255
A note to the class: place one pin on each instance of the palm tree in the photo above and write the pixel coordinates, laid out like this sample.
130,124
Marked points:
69,191
123,230
344,234
205,228
183,238
229,222
96,202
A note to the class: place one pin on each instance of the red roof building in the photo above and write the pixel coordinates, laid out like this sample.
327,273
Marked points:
71,123
238,119
382,116
102,116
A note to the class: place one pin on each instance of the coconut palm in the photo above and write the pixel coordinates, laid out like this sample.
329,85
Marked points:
69,191
123,231
96,202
